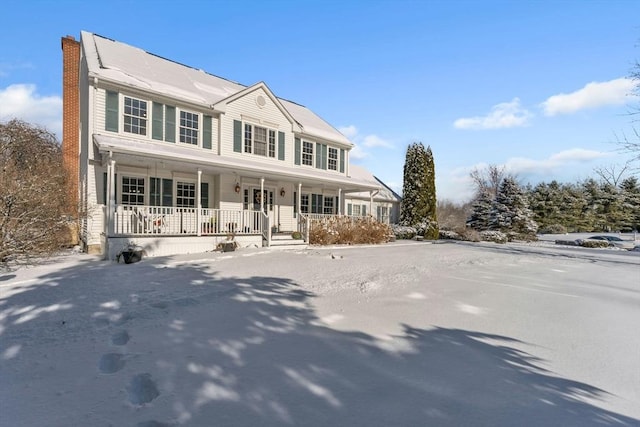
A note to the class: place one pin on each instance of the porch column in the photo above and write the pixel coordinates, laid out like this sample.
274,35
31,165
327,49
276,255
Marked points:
111,197
199,204
299,196
339,201
371,194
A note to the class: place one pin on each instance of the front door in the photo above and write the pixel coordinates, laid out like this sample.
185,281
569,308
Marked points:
264,200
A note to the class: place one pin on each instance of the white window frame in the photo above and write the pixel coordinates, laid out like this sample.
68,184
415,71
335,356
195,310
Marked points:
307,153
259,140
332,161
136,193
177,196
191,133
328,205
137,122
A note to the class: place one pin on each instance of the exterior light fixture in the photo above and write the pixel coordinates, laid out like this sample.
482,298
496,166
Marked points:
282,192
237,188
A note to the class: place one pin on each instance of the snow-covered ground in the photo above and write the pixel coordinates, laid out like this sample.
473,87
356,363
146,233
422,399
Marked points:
402,334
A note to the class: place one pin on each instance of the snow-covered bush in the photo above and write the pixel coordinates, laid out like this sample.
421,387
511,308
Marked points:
594,244
403,231
493,236
347,231
554,229
449,235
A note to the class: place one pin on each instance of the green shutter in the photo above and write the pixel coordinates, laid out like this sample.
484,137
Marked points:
237,136
167,192
318,155
280,145
314,203
297,153
341,161
349,209
170,124
111,112
364,210
154,191
157,121
295,204
206,132
204,194
324,156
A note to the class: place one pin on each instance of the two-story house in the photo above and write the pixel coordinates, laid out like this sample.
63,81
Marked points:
176,159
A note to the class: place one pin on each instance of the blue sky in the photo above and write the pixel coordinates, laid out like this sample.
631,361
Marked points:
537,86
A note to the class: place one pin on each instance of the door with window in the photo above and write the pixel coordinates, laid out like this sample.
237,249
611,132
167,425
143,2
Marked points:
263,200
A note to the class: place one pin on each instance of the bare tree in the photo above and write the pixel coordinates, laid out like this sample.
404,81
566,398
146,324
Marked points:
488,179
612,174
32,192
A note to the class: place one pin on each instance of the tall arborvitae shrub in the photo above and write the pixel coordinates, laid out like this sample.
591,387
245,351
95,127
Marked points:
418,208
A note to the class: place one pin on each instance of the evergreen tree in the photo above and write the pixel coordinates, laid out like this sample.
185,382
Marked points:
510,210
481,211
418,208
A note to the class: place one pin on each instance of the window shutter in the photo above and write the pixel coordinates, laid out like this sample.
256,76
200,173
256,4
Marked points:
297,152
295,204
167,192
341,161
324,156
280,145
349,209
237,136
364,210
206,132
318,155
314,203
157,121
204,194
170,124
111,112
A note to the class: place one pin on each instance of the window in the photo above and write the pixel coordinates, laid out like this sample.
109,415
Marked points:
355,210
186,194
132,191
160,192
260,141
189,127
328,205
135,116
304,203
272,143
333,159
248,138
307,153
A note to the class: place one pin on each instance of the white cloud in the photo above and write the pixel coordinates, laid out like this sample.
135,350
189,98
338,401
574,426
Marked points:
375,141
503,115
22,101
362,142
457,185
592,95
349,131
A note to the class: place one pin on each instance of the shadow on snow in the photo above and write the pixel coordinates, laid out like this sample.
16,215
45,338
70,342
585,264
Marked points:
185,345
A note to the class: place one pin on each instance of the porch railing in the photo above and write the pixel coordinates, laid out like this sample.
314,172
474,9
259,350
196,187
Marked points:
171,221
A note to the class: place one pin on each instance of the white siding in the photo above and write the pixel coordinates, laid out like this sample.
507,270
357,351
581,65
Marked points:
246,110
99,110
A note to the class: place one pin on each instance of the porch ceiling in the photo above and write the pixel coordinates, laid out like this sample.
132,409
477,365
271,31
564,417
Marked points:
186,159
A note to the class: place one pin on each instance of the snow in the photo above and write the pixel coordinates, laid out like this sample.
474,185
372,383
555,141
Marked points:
409,333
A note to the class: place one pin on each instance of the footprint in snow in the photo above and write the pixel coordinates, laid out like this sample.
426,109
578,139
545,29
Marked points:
142,389
120,338
111,363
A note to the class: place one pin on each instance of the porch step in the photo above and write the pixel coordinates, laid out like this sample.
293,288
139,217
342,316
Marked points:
285,241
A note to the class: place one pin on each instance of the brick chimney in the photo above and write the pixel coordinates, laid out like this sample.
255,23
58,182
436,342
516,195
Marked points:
71,119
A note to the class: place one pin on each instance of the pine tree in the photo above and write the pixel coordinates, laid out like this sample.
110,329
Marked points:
481,211
510,211
418,207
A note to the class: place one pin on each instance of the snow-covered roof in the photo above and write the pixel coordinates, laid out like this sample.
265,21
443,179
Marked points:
168,152
119,62
363,175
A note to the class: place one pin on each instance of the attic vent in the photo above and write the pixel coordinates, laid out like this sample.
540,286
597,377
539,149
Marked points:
261,101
